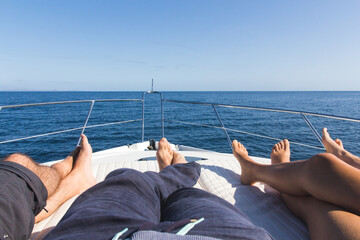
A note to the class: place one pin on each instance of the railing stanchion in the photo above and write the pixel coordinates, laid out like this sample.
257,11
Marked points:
317,135
222,126
162,113
86,121
162,116
143,117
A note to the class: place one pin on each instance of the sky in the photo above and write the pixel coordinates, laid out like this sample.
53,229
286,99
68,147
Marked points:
184,45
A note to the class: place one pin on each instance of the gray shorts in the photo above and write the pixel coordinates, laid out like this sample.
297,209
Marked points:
23,196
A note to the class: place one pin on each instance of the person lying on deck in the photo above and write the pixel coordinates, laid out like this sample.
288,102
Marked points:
29,189
154,205
324,190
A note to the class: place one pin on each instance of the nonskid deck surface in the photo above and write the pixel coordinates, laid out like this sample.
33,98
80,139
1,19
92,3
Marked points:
220,175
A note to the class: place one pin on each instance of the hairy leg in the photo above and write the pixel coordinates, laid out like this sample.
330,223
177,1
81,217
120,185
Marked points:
324,220
49,176
336,147
323,176
65,166
77,181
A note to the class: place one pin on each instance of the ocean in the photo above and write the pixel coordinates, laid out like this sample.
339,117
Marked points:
264,127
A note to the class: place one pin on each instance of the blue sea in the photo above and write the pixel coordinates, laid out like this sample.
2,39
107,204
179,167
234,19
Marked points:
27,121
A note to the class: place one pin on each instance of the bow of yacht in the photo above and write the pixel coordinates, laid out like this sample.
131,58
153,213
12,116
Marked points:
220,175
220,172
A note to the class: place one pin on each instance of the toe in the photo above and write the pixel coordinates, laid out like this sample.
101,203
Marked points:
242,147
84,139
163,143
276,147
286,144
325,133
85,145
339,142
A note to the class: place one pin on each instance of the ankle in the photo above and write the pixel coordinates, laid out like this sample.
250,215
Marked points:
251,172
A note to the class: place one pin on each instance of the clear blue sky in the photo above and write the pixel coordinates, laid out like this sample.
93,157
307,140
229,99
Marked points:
184,45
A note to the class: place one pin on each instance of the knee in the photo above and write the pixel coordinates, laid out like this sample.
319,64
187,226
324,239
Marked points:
322,161
19,158
124,171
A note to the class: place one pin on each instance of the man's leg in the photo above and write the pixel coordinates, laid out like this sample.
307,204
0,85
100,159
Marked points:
26,186
125,199
59,178
22,196
76,177
48,175
221,219
175,172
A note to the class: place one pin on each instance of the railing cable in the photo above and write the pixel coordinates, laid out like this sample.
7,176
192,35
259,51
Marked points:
222,126
317,135
86,121
66,102
68,130
268,109
243,132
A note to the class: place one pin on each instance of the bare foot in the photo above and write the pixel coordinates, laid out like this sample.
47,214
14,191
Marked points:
65,166
164,154
336,147
339,142
81,173
246,163
178,158
77,181
281,152
331,146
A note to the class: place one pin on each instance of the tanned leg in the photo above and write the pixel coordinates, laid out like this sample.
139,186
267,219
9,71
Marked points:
77,181
336,147
324,176
324,220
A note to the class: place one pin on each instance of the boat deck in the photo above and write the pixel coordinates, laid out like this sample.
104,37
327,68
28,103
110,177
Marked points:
220,175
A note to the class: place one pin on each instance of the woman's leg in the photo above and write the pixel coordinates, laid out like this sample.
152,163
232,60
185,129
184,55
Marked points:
324,220
336,147
323,176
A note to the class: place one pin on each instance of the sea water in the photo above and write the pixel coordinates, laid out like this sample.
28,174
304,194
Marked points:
185,124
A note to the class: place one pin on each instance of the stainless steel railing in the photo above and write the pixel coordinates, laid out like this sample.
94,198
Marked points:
303,114
214,106
92,102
